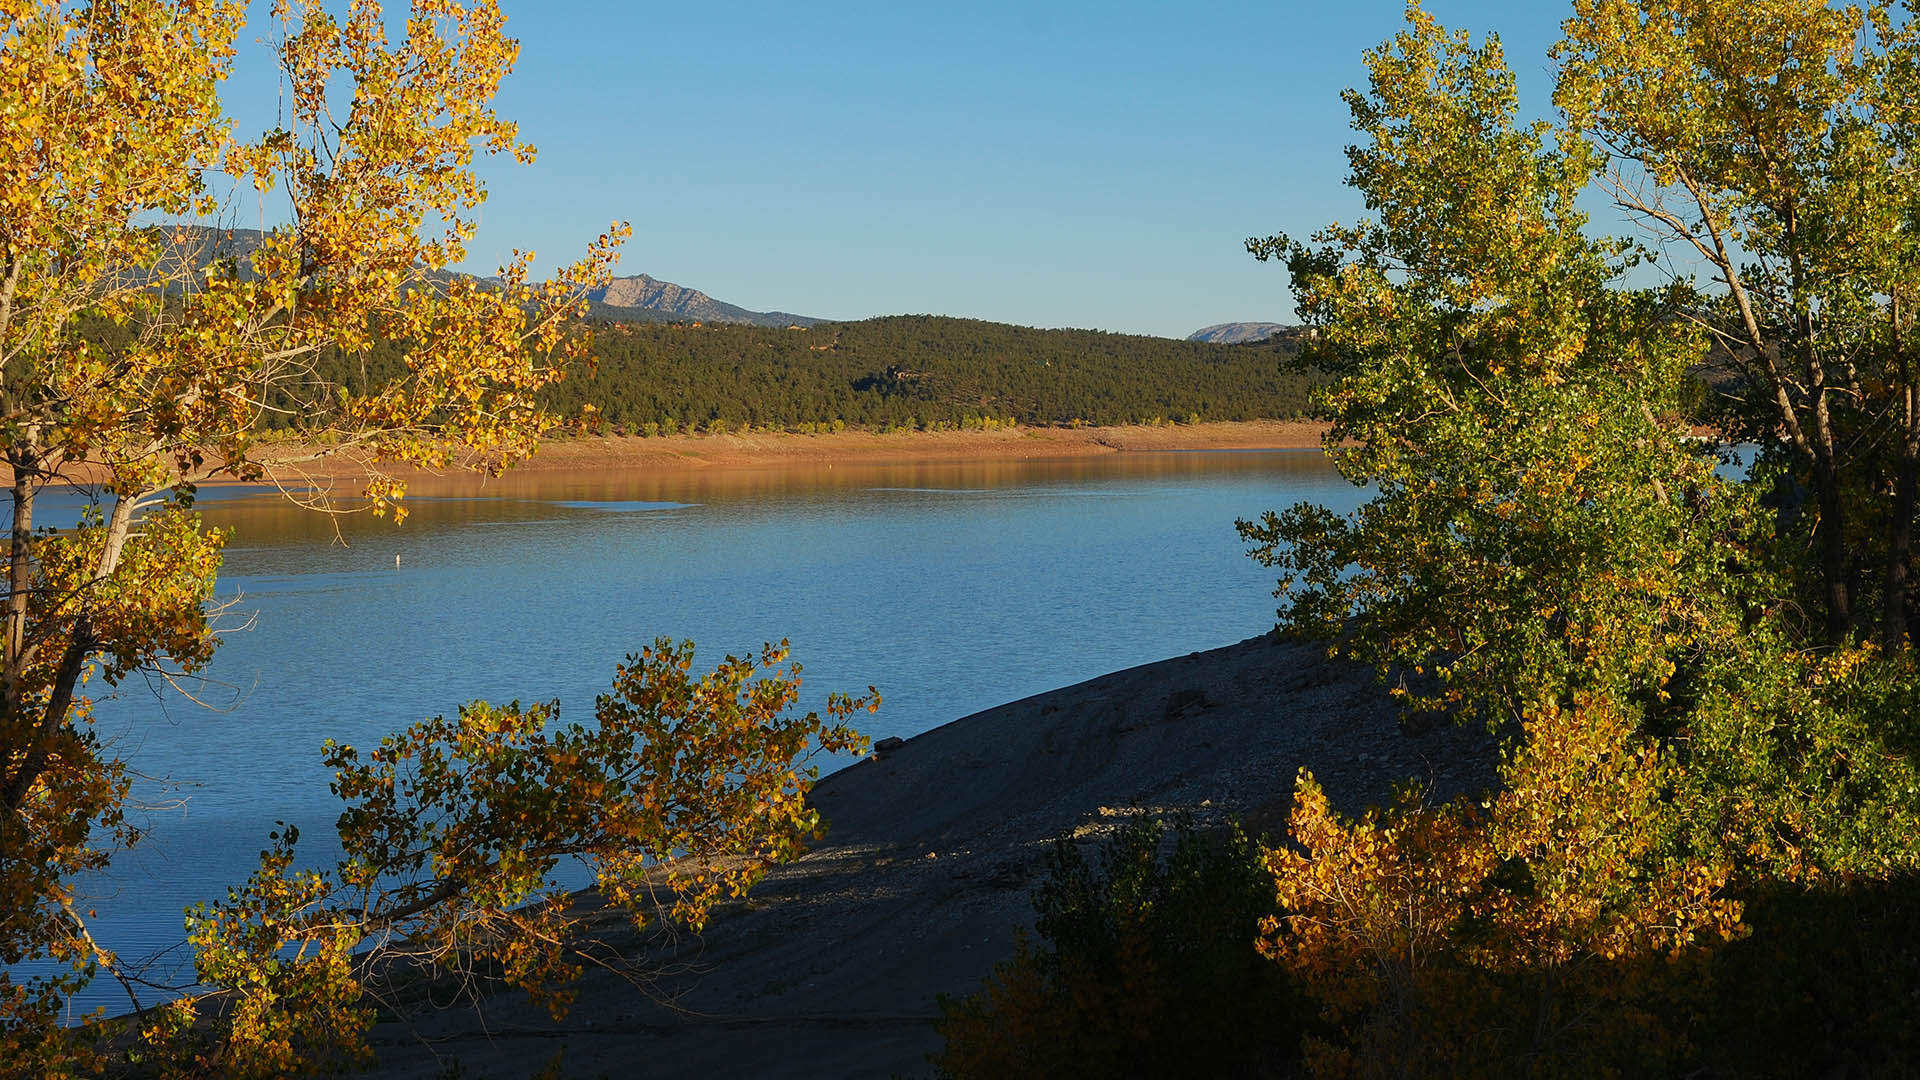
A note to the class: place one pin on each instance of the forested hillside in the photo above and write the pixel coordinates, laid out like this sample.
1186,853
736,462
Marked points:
920,371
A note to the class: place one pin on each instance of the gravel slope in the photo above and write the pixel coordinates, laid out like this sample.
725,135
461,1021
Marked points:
832,966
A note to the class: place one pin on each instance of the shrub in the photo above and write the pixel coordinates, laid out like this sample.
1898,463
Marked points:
1141,965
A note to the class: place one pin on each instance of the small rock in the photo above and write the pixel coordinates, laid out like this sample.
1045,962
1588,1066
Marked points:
888,745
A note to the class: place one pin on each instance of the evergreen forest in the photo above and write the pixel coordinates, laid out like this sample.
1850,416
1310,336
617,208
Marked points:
923,372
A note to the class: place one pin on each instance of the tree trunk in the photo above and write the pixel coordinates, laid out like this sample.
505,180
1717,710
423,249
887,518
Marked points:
34,737
1833,550
1826,470
14,794
1893,619
1833,513
19,565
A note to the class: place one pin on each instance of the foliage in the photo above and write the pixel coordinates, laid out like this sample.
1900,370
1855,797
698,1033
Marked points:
919,371
900,372
1549,551
1144,966
1770,142
682,793
112,122
1440,941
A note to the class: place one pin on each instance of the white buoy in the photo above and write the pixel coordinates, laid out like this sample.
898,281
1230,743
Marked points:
396,562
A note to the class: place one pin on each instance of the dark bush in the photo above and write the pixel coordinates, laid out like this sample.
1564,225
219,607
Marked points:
1143,965
1827,985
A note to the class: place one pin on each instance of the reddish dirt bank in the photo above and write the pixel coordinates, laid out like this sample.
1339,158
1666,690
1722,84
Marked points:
766,448
762,449
305,466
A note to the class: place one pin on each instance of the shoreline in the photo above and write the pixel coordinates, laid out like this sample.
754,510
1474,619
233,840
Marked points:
834,964
769,448
293,466
773,449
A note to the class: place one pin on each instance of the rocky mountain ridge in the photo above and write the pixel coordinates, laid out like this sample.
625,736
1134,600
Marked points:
638,298
1238,333
648,297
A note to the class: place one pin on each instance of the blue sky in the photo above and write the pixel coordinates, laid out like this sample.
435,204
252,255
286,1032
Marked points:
1050,164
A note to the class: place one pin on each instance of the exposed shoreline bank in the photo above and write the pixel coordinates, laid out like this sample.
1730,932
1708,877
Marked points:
294,466
833,966
771,449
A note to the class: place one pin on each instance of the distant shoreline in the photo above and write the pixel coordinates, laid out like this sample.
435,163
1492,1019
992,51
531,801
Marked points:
772,449
303,466
778,448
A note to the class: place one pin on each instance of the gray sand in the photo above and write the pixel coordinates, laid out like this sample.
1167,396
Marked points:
831,967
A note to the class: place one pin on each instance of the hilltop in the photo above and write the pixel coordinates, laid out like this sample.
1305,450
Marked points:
903,372
927,372
647,298
671,359
1242,333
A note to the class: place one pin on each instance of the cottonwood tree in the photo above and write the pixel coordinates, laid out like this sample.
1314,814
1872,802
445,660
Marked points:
1772,142
138,358
1549,551
680,794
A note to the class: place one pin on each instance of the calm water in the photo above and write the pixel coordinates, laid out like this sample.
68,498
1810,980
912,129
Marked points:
952,588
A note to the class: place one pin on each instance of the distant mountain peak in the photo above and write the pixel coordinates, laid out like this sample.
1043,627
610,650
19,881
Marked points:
1239,333
647,291
647,297
639,298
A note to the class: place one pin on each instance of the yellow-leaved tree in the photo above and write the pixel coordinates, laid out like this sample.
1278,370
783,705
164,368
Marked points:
138,357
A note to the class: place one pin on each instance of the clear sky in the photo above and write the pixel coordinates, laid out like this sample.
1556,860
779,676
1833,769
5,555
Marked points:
1089,164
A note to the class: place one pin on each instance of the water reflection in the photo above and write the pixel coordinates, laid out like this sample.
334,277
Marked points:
952,587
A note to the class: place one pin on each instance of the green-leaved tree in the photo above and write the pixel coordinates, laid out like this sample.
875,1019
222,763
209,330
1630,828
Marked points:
1694,705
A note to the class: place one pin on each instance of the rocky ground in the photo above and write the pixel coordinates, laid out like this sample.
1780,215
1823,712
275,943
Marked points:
832,966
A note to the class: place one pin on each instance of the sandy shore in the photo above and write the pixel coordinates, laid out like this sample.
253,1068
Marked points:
832,966
768,448
763,449
297,466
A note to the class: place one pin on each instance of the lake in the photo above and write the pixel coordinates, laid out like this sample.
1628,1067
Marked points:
950,587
